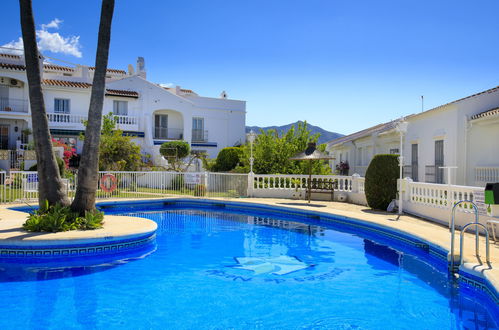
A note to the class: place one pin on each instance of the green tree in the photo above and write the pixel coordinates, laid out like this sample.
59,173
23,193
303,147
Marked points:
178,154
116,151
51,189
88,172
272,150
227,159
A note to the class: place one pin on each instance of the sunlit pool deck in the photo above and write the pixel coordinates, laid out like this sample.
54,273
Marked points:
119,229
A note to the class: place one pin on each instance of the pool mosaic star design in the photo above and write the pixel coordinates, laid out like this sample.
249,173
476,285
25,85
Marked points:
280,265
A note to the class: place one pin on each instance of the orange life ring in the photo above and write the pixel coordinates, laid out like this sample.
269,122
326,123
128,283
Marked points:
108,183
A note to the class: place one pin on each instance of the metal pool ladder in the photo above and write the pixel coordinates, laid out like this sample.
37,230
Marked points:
463,230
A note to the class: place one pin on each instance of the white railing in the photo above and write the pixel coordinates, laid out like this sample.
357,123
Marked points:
486,174
299,181
127,122
435,201
61,119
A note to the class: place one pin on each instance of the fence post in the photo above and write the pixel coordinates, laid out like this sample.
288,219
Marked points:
355,183
206,173
251,182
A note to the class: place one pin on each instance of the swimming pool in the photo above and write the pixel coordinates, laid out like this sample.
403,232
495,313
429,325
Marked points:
243,268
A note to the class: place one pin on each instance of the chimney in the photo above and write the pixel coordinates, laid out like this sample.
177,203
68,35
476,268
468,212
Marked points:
177,90
130,70
141,67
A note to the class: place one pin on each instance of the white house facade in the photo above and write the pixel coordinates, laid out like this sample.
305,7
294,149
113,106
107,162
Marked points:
463,134
152,114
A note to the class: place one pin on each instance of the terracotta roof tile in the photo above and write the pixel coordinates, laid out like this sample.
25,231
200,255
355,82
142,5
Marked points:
119,92
64,83
485,114
58,67
110,70
77,84
16,57
17,67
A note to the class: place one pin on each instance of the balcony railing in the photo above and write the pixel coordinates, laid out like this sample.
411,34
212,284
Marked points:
65,118
199,135
13,105
486,174
126,120
163,133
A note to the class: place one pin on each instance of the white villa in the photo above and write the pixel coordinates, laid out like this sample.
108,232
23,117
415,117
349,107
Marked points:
463,134
151,113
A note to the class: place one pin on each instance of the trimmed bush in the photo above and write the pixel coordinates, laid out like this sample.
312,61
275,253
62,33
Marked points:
381,181
178,149
200,190
227,159
60,164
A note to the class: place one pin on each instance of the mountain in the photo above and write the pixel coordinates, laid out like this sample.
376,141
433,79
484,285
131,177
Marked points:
325,135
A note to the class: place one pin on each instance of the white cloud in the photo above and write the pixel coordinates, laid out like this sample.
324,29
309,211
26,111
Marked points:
167,85
49,41
14,47
55,43
53,24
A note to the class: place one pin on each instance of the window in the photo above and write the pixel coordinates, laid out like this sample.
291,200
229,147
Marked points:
414,161
61,106
198,129
394,151
439,161
120,108
161,126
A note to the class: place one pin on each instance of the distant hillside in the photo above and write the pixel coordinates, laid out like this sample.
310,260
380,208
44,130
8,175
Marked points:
325,135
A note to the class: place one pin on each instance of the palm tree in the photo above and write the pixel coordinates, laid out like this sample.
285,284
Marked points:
51,187
88,172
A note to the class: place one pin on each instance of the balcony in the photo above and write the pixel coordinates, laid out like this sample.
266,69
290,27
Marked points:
127,123
65,120
13,105
163,133
199,135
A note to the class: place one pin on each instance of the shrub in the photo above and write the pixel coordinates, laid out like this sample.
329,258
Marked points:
175,149
381,181
228,159
60,164
61,218
200,190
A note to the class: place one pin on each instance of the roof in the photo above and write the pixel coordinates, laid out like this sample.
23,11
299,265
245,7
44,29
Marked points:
50,66
109,70
58,67
16,57
77,84
120,92
183,90
17,67
491,90
374,129
65,83
485,114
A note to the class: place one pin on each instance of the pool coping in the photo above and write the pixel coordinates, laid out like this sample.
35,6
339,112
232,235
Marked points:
117,234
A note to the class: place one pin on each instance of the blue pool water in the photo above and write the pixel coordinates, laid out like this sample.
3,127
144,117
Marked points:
214,269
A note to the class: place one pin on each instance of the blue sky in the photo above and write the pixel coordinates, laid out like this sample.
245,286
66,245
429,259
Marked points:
342,65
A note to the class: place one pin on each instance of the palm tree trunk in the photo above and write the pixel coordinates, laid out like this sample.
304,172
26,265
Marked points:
88,171
50,186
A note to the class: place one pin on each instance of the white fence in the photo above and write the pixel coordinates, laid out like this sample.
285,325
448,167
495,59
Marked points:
22,186
435,201
348,188
486,174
